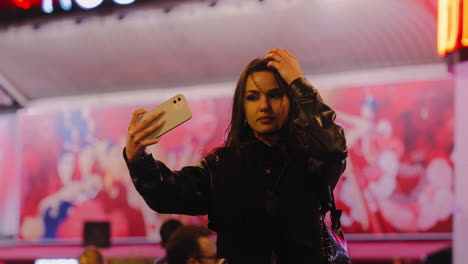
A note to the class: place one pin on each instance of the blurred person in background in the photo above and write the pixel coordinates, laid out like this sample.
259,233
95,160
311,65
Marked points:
191,245
166,230
264,188
91,255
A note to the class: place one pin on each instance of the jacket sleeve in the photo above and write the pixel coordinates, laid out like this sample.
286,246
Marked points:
185,191
317,131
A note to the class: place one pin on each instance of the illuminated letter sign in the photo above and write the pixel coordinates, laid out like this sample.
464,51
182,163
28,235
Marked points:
452,32
47,5
464,40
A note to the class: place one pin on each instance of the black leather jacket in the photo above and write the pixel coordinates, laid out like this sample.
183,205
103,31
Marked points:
258,199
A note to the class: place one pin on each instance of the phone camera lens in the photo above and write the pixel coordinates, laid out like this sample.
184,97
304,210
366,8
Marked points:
174,101
178,99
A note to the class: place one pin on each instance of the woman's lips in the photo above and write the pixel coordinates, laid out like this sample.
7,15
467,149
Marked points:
265,119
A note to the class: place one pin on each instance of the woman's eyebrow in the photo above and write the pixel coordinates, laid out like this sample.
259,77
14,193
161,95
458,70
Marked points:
252,91
275,90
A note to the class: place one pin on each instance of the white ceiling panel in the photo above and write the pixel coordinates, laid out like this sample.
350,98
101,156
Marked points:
196,43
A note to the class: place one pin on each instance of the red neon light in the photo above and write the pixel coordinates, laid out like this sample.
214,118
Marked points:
24,4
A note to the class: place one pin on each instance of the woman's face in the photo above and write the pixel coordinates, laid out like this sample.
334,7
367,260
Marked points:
266,106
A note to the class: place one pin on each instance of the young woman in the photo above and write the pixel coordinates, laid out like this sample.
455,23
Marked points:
262,190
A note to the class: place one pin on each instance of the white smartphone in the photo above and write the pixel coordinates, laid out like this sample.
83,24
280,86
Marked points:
177,112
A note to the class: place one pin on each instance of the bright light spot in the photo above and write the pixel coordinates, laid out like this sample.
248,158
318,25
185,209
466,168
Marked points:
47,6
448,23
124,2
464,39
55,261
88,4
66,4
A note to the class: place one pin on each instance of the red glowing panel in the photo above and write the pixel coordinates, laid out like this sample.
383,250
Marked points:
19,4
24,4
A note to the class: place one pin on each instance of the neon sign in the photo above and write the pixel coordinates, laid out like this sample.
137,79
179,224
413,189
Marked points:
452,26
66,5
12,11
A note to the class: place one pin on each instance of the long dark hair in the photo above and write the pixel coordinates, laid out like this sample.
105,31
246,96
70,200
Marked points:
239,132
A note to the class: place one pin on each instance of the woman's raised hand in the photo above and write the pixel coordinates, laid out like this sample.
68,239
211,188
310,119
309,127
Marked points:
138,131
285,63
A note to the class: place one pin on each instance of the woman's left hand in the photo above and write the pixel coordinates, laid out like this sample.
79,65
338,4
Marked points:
285,63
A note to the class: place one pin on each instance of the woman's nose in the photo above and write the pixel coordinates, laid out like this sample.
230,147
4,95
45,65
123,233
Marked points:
264,104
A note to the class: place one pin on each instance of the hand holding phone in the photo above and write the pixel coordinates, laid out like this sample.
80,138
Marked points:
176,112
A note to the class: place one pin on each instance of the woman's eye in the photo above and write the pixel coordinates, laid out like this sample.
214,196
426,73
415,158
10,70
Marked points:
252,97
